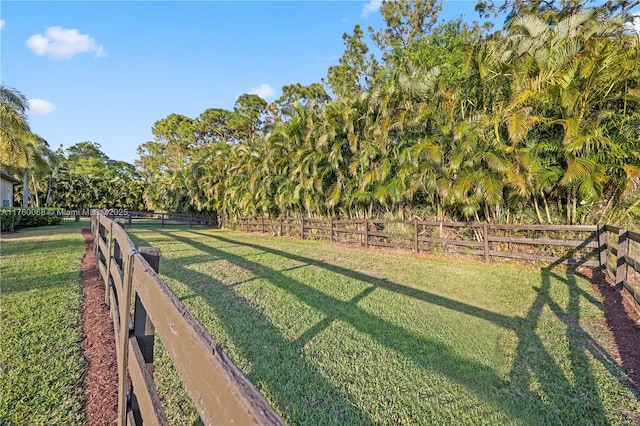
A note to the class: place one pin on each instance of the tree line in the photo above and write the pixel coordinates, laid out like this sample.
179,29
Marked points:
78,177
536,122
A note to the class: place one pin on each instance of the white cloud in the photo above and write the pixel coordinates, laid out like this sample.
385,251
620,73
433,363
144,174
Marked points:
265,91
371,7
40,106
61,42
633,26
3,24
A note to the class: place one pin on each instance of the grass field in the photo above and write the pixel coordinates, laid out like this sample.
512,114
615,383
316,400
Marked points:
40,300
336,335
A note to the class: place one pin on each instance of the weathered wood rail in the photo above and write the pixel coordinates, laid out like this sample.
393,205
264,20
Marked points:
568,244
141,306
621,258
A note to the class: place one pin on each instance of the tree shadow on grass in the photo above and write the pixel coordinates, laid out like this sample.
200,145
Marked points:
538,389
571,394
272,359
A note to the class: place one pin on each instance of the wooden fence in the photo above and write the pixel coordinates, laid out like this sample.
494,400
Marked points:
621,258
614,250
569,244
142,305
165,219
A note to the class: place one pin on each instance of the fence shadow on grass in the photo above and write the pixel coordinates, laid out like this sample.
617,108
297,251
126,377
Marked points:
555,397
624,328
579,341
246,324
576,391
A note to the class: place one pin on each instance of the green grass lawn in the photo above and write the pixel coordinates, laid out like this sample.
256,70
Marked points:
64,226
336,335
40,307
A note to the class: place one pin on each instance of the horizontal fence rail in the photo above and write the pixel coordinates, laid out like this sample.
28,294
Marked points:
128,218
164,219
567,244
142,305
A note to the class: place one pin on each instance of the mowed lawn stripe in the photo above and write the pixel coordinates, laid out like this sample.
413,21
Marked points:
40,309
333,334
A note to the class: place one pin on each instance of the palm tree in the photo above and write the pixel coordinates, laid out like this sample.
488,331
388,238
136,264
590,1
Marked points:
13,123
14,129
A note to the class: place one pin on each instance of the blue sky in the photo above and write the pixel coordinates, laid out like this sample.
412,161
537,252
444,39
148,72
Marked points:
106,71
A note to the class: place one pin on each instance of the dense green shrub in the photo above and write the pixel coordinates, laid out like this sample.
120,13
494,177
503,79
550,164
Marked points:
8,221
28,217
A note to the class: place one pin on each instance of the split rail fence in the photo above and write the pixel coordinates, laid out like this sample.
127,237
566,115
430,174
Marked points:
164,219
142,305
621,259
615,250
570,244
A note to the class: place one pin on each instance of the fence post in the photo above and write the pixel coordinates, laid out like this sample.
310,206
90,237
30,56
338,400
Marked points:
622,249
262,223
415,234
143,328
602,246
331,229
77,216
123,312
302,228
366,233
107,282
162,219
485,239
281,227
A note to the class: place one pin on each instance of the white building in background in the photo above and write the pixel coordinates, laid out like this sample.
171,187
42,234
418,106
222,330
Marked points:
6,188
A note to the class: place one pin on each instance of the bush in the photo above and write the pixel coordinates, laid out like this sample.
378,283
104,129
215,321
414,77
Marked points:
28,217
8,221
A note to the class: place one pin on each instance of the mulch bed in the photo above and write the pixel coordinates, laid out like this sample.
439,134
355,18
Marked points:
100,381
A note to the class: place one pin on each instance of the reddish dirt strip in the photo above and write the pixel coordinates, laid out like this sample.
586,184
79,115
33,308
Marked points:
100,381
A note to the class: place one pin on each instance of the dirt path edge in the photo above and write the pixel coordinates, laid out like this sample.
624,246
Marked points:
100,380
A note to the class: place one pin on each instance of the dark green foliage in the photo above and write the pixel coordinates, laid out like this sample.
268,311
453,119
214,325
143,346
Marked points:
12,217
8,220
357,68
81,177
